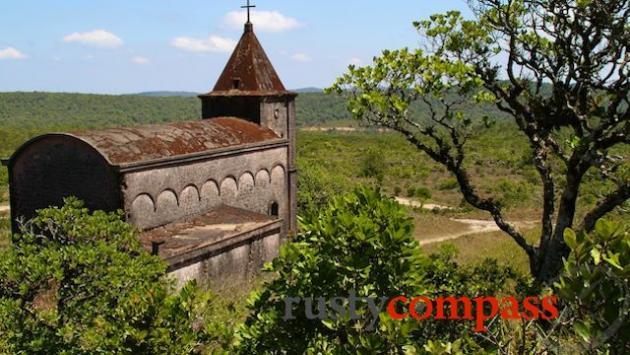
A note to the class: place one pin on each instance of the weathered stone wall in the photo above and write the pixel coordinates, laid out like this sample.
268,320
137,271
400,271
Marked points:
53,167
273,115
292,171
237,263
278,114
252,181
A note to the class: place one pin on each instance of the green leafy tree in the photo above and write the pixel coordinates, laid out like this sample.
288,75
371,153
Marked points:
565,85
78,283
361,243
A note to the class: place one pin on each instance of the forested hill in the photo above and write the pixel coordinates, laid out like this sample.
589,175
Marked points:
37,110
34,110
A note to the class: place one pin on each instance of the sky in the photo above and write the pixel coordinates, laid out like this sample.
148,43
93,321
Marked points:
130,46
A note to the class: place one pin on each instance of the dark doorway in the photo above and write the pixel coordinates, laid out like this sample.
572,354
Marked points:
274,209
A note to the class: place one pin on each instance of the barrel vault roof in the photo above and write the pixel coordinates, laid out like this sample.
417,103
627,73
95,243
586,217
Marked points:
123,146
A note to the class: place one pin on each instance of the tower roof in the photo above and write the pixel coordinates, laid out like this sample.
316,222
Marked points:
249,71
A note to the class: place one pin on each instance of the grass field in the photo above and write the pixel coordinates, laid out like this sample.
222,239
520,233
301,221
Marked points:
498,165
5,228
474,248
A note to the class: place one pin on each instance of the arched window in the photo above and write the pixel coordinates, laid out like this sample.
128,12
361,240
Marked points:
274,209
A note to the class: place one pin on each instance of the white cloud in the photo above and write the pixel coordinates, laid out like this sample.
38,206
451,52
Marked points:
96,38
301,57
214,44
140,60
355,61
11,53
265,21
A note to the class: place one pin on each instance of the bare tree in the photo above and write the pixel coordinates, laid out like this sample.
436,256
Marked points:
559,68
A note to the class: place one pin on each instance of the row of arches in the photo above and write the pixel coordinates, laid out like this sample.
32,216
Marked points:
250,191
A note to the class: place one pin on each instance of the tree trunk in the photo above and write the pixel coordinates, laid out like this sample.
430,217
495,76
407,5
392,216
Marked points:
551,262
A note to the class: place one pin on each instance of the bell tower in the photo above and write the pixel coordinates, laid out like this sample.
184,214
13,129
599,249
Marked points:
249,88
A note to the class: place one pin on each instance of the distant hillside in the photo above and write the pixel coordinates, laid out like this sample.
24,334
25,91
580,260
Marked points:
309,90
23,115
167,93
190,93
39,109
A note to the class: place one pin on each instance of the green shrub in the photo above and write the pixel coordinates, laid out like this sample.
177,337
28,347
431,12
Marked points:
4,184
373,164
595,287
4,175
513,193
362,242
5,230
448,184
423,193
316,187
79,283
594,300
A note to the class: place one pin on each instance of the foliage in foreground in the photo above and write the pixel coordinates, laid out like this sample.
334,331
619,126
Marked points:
78,283
595,286
361,243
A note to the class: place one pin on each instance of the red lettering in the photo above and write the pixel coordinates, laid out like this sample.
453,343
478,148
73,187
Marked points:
486,308
530,304
428,308
512,311
481,315
454,303
391,308
549,304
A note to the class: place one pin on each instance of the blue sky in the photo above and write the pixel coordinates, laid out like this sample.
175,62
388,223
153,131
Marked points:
126,46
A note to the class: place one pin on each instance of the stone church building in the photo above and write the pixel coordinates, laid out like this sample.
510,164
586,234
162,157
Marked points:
213,197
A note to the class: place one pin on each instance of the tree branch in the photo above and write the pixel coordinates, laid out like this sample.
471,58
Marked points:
468,190
609,203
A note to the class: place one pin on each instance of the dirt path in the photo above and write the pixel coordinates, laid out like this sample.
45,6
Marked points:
342,129
427,206
475,226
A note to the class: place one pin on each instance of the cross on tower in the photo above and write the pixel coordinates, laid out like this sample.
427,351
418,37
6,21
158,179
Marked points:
248,7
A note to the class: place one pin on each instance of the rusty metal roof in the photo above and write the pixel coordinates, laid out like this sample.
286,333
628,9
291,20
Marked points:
249,71
128,145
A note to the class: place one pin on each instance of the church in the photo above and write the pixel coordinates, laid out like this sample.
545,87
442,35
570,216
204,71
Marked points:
214,197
